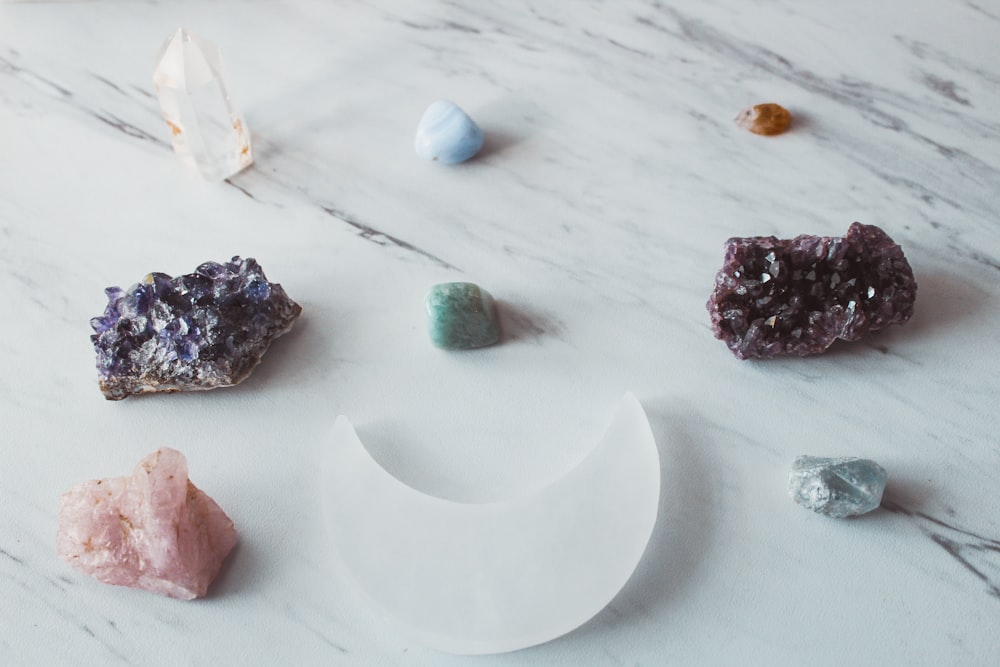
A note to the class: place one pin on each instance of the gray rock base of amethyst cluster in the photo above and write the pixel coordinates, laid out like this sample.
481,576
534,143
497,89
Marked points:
202,330
795,297
839,487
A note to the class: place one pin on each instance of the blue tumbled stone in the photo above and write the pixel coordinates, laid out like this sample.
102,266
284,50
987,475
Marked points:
447,134
461,316
837,487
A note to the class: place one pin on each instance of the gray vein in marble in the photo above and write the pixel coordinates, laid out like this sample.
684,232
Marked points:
52,89
247,193
381,238
854,93
109,84
926,52
970,549
882,107
131,130
57,608
982,11
33,79
442,26
229,181
985,260
603,203
545,19
944,88
293,614
620,45
142,91
55,584
4,552
978,203
127,128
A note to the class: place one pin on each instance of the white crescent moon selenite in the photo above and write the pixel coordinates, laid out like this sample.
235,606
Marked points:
495,577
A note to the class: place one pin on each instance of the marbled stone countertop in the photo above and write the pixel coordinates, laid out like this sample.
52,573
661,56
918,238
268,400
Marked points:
596,215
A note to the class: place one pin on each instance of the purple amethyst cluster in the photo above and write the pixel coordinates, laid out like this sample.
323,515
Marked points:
202,330
795,297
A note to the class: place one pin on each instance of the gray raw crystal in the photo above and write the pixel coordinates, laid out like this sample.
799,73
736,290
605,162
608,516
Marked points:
202,330
837,487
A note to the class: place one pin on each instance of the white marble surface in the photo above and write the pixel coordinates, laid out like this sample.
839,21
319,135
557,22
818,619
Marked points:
596,215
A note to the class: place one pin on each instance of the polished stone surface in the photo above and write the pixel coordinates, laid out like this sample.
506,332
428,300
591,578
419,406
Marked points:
767,119
447,134
837,487
461,316
596,213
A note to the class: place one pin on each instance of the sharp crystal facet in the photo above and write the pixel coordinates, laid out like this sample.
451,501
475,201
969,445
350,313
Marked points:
206,129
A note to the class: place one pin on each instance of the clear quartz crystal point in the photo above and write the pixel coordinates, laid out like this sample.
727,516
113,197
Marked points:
206,129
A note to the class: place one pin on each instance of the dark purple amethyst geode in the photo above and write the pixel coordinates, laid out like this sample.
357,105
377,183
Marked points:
795,297
202,330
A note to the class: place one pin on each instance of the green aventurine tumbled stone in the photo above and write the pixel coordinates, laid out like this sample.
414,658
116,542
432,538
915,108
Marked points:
461,316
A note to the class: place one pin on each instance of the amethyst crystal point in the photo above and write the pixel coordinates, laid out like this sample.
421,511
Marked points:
795,297
202,330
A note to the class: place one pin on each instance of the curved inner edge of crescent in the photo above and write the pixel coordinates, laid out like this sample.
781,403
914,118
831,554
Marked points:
499,576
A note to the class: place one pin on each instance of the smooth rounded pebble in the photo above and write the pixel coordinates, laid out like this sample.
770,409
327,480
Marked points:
767,119
447,134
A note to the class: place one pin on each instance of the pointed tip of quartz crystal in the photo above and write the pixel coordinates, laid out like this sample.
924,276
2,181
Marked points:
171,43
169,62
187,61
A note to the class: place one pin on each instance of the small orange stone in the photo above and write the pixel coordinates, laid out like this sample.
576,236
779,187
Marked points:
766,119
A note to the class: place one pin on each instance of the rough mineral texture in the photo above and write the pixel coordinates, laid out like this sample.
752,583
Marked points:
840,487
461,316
202,330
154,530
795,297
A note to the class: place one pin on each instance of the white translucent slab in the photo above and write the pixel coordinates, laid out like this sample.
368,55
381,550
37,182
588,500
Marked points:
494,577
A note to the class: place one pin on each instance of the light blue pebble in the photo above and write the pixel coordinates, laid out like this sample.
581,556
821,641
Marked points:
447,134
839,487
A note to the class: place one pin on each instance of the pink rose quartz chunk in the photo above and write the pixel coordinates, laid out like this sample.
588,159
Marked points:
154,530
